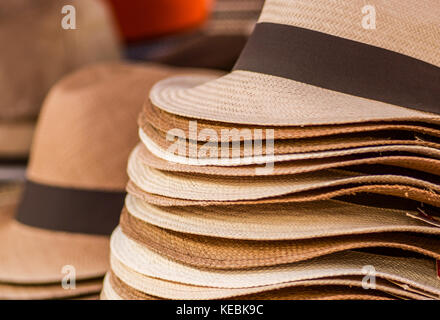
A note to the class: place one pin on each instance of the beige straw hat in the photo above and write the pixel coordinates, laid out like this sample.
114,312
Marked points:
418,273
264,159
418,163
221,253
153,287
76,176
120,291
209,149
411,193
40,51
220,188
299,64
164,121
280,221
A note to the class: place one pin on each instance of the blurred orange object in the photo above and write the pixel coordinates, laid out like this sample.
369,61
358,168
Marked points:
140,19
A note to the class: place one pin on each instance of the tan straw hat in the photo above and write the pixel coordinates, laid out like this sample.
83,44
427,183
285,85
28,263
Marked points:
76,176
418,273
165,121
222,253
298,68
208,149
280,221
423,164
40,51
219,188
201,160
152,288
173,290
118,290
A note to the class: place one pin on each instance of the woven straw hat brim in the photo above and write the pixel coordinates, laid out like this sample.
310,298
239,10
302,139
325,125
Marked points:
15,139
195,149
256,98
415,272
153,287
242,97
164,121
221,253
36,256
279,222
49,291
108,293
416,194
218,188
170,156
310,292
292,167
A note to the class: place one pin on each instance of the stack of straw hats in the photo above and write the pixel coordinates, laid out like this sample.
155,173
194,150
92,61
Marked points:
59,229
311,171
37,52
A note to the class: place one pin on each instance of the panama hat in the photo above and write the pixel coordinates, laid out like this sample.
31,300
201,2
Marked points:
165,121
222,253
9,197
418,273
118,290
218,188
38,53
76,177
153,288
280,221
221,39
130,283
313,63
200,160
415,194
418,163
210,149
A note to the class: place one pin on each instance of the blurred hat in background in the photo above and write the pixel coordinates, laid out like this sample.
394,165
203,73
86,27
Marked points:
143,19
37,51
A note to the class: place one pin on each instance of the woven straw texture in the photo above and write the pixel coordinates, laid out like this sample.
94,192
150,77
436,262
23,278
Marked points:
416,194
221,253
279,222
263,159
309,292
164,121
243,97
39,51
173,290
251,98
417,273
293,167
218,188
249,148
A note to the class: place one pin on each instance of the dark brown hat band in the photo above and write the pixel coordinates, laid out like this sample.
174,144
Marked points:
342,65
70,210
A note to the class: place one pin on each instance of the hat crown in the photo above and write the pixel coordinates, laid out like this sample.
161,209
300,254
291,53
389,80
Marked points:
409,27
84,135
